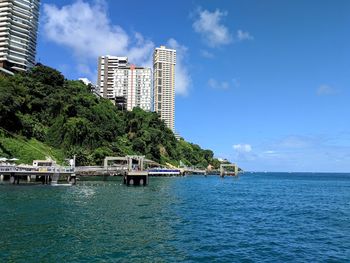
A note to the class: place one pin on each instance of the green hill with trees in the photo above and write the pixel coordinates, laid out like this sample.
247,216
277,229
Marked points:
42,113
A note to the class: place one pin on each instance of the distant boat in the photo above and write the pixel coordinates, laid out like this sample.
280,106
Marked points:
164,171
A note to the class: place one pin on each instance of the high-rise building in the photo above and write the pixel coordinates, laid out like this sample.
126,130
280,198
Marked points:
106,71
134,84
18,33
164,61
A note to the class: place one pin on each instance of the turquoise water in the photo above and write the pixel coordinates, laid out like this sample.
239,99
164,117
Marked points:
253,218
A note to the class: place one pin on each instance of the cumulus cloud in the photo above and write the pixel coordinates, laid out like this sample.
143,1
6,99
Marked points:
85,28
325,90
209,25
182,77
243,152
244,35
242,148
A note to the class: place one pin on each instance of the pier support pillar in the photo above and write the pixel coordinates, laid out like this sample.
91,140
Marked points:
136,179
1,178
72,179
28,178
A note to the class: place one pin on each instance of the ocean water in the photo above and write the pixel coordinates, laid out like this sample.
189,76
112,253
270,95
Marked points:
258,217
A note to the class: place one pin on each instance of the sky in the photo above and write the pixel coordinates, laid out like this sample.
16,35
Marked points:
265,84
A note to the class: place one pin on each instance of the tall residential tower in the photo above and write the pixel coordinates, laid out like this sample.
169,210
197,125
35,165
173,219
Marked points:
106,73
18,33
117,80
164,61
135,85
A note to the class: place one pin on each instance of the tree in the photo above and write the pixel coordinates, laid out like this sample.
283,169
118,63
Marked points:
64,114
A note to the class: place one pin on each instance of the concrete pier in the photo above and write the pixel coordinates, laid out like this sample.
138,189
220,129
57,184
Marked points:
27,174
72,179
136,178
232,166
14,179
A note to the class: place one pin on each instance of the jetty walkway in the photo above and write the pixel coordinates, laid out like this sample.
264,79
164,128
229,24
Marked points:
44,174
135,170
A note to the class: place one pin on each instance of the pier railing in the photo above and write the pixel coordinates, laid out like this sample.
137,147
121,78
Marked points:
36,169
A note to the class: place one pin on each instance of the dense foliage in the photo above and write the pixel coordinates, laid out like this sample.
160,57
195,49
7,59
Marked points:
64,114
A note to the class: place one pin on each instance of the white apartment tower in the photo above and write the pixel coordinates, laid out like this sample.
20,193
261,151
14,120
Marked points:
135,84
164,61
106,73
18,33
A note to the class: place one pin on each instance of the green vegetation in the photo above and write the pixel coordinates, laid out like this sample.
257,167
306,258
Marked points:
28,150
45,113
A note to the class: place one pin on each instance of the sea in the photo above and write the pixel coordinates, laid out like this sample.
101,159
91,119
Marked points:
255,217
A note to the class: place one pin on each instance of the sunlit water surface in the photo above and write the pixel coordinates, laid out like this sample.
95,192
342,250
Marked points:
254,218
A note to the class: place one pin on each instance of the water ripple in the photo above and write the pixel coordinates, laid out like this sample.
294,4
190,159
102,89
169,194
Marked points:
255,218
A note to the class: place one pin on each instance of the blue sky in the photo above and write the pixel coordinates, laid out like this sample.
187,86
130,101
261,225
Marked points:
262,83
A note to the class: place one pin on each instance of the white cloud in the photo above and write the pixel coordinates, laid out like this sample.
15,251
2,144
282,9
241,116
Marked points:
297,142
85,69
86,81
270,152
297,153
242,35
223,85
206,54
325,90
183,79
242,148
213,83
209,25
86,29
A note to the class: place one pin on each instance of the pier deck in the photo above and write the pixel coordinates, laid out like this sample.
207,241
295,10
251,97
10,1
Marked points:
46,174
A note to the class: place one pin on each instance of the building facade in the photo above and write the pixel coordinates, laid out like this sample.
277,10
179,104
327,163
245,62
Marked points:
18,33
106,73
164,61
134,84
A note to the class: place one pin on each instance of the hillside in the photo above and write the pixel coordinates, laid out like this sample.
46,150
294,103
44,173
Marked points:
42,112
28,150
